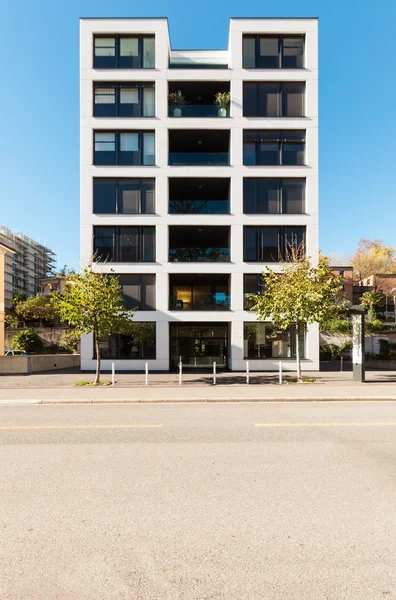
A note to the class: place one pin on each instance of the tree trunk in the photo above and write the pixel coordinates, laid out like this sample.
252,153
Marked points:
97,345
298,359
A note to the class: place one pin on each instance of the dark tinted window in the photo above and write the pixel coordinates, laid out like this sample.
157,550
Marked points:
270,147
138,291
124,244
273,196
124,148
124,52
128,347
273,51
124,196
124,99
271,244
264,99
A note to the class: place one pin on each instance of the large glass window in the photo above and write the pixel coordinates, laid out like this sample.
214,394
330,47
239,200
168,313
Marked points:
252,284
264,340
124,100
138,291
142,345
270,147
266,99
270,243
273,51
124,244
124,148
124,52
273,196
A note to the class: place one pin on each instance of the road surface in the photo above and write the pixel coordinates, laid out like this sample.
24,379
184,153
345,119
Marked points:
197,502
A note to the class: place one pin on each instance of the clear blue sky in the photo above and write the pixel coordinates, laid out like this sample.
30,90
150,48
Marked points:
39,108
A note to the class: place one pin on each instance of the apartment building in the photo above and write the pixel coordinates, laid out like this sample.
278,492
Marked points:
187,200
23,269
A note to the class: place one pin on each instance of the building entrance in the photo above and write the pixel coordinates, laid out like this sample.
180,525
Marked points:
199,345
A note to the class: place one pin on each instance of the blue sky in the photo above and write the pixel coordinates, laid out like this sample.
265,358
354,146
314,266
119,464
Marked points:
39,108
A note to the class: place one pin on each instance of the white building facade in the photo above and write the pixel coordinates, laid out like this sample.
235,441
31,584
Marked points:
186,200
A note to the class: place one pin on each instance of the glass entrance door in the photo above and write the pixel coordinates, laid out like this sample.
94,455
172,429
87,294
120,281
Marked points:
199,345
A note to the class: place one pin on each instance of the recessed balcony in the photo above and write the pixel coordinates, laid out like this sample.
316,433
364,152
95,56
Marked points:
194,147
199,99
199,244
193,196
199,292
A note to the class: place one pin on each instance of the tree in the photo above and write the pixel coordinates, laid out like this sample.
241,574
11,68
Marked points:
64,271
39,307
93,303
18,297
373,257
300,294
371,300
27,340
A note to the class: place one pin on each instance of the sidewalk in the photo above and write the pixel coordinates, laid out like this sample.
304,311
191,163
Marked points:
52,388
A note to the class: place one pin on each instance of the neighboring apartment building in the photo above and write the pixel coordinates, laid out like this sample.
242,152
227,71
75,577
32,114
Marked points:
346,272
384,284
187,204
23,270
53,284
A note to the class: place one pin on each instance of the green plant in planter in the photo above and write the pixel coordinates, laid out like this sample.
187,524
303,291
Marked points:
222,100
177,100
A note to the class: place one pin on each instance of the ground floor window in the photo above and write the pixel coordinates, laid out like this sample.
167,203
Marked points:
264,340
142,345
199,345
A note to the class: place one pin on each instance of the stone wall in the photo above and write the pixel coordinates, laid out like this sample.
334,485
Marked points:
48,335
37,362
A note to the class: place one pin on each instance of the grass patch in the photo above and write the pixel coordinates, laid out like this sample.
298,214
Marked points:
92,384
304,380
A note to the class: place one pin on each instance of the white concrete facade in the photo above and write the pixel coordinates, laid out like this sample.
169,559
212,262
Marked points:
236,124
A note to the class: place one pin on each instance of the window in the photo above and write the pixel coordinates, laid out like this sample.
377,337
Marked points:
123,196
273,196
269,243
264,340
273,51
124,52
273,99
124,148
270,147
138,291
124,100
252,284
125,347
342,272
124,244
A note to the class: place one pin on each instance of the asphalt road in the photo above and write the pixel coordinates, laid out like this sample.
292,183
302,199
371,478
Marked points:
198,502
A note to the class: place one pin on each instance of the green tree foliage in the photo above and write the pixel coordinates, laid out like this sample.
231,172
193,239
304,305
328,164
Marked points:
300,294
373,257
370,300
18,297
27,340
37,308
93,303
64,271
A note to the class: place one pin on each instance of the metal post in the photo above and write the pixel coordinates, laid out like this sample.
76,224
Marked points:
247,371
214,373
180,372
112,374
146,373
280,373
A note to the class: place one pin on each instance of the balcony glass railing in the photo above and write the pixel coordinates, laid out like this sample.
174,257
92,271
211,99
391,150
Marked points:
199,207
215,303
198,110
199,255
198,62
199,158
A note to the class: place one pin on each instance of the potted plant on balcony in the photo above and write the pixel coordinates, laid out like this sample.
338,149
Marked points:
222,100
177,101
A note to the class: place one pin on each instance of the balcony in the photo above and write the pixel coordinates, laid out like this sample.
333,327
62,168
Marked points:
192,99
199,244
199,292
194,147
199,196
198,59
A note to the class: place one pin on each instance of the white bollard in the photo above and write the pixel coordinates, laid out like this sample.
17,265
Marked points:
180,372
247,372
112,374
146,373
280,373
214,373
341,363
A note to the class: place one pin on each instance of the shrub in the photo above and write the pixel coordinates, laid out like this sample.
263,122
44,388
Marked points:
337,326
26,340
69,341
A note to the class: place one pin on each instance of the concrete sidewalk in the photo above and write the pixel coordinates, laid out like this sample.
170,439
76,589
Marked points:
60,388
